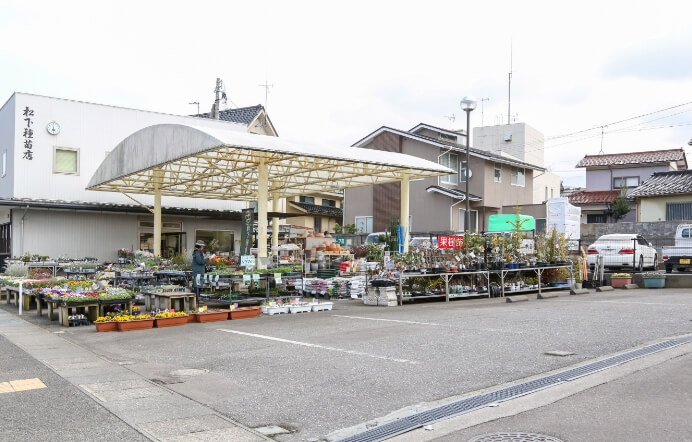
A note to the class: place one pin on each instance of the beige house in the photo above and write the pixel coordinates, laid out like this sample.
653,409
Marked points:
438,204
317,212
665,196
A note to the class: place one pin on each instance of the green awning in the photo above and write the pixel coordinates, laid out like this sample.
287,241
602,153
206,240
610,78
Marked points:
506,223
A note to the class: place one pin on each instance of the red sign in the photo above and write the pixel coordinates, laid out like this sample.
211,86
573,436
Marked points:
450,242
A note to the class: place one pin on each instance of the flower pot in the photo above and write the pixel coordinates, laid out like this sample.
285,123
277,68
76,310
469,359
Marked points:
244,312
619,282
322,306
106,326
654,283
577,285
212,316
140,324
300,308
170,322
276,309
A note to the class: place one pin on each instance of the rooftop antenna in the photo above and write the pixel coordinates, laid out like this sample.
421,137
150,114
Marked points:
509,93
266,87
600,152
451,119
482,100
197,103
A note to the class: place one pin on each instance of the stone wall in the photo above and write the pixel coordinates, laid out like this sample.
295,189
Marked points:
660,233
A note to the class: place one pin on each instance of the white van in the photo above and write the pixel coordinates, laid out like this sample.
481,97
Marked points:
374,238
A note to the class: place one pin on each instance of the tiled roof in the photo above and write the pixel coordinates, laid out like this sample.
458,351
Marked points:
619,159
453,193
243,115
455,146
678,182
593,197
320,210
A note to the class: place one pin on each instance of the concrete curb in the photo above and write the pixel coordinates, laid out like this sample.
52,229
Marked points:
631,286
546,295
579,292
605,288
517,298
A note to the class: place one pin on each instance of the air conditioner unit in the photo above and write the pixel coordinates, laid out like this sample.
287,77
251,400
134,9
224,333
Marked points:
508,138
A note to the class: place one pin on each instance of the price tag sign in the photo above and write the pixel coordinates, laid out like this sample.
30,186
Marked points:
277,278
247,261
340,240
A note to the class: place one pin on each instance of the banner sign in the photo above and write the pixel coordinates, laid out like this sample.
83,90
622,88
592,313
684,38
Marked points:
400,235
450,242
247,221
340,240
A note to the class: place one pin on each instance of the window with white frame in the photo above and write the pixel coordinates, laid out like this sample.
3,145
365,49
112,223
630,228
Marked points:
450,160
66,160
462,220
498,173
364,224
625,181
518,176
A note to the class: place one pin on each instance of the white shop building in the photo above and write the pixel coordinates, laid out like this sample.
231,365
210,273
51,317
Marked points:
49,150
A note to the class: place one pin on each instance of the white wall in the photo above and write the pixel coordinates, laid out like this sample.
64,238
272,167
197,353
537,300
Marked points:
7,147
95,130
526,144
540,182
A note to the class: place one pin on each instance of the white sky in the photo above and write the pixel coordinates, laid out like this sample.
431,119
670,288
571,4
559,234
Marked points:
340,70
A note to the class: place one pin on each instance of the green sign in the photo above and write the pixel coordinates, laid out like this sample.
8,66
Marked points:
340,240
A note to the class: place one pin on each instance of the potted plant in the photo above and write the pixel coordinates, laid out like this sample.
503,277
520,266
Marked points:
619,280
130,322
654,280
243,312
577,277
212,315
169,319
105,324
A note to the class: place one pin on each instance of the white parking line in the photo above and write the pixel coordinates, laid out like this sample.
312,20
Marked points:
386,320
307,344
623,302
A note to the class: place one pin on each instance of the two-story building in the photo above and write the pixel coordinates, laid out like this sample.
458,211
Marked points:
439,204
607,174
665,196
51,147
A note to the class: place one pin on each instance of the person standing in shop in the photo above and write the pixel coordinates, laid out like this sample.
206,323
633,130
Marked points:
198,266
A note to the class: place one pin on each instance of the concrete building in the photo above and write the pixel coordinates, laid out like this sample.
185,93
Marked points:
522,142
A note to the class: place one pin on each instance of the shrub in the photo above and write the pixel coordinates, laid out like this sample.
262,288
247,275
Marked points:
17,270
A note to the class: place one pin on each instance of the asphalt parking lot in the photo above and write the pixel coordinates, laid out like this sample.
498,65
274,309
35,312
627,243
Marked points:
318,373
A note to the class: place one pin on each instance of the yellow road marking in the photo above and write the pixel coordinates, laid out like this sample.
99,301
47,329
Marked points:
21,385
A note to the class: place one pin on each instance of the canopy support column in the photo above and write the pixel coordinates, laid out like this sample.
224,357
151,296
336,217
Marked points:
275,224
403,217
158,181
262,201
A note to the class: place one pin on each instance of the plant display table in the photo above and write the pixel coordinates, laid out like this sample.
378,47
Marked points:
91,309
180,301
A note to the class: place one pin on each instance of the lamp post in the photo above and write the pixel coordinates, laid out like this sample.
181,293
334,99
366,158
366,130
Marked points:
467,105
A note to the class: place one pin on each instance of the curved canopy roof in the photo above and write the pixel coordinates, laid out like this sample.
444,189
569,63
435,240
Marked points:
220,163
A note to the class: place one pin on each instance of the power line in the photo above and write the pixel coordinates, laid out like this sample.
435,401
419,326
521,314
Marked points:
618,122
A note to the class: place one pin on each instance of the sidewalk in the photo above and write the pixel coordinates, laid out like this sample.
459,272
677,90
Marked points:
76,379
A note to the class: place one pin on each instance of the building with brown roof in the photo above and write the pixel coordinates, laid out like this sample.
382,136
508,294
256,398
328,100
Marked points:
607,174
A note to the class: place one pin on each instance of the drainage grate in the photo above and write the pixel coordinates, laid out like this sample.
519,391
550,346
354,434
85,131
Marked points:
514,437
408,423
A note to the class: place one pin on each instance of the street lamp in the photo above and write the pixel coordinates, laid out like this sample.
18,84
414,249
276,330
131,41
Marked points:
467,105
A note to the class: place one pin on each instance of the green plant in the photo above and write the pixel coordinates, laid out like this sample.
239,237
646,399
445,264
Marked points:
621,275
338,228
350,229
653,275
17,270
621,205
374,253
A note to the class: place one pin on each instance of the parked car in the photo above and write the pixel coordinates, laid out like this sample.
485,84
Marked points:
622,250
374,238
680,256
423,242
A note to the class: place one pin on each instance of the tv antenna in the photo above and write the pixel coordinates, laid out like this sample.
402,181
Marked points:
197,103
509,91
482,100
266,87
452,118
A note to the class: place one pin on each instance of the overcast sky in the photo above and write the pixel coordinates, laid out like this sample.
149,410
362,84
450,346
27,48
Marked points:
340,70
